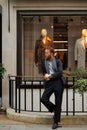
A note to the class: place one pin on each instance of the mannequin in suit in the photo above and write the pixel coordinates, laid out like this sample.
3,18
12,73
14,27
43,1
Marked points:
40,45
80,50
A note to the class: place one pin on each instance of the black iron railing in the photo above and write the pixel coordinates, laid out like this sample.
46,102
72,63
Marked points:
25,94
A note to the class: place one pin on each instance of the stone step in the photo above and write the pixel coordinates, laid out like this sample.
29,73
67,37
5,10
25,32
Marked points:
45,118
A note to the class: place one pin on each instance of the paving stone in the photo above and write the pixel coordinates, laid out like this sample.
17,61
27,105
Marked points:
4,127
6,124
39,127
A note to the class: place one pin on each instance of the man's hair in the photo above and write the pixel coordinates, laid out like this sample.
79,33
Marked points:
51,49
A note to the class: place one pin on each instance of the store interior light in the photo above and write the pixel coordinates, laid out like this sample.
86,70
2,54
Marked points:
82,21
52,26
60,35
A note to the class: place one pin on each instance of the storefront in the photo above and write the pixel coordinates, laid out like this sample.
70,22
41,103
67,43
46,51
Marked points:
22,21
64,27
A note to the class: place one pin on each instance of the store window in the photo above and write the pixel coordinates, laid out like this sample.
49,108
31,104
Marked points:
62,30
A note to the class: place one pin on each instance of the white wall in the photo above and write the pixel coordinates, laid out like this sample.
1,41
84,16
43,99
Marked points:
8,49
5,49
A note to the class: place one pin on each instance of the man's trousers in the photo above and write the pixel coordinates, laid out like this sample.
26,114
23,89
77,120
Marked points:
56,87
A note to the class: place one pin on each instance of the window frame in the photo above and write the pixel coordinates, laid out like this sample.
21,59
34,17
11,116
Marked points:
21,13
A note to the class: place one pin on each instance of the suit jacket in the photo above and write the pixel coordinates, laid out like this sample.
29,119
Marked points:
58,73
39,51
39,48
80,52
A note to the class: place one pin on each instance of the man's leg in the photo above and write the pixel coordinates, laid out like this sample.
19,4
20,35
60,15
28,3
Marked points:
58,101
45,98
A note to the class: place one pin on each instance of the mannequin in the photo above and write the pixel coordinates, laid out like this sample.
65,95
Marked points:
80,50
40,45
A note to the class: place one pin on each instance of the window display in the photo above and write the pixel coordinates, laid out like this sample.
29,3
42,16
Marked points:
60,32
80,50
40,45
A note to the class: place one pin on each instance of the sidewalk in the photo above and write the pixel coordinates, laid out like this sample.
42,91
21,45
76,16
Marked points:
7,124
39,127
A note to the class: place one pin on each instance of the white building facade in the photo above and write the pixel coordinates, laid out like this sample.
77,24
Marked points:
22,21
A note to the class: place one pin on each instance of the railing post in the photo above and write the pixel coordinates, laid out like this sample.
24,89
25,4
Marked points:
25,95
19,94
83,102
10,91
40,96
73,97
16,85
67,97
32,96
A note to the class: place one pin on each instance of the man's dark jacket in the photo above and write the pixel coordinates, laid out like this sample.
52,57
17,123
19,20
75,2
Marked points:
58,73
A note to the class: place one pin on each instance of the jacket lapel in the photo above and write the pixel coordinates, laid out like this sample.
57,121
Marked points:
46,66
54,64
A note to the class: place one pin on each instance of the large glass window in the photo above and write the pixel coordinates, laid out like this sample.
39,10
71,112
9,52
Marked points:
62,30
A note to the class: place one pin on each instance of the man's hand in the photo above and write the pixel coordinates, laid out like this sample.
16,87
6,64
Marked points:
46,77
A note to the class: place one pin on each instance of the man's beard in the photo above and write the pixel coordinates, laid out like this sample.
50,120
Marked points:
49,58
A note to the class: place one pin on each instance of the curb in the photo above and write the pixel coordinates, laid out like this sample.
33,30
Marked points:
45,118
30,117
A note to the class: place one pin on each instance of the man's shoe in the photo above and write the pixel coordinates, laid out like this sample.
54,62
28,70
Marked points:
55,126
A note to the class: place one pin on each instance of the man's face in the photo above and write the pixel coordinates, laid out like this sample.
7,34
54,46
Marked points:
47,54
